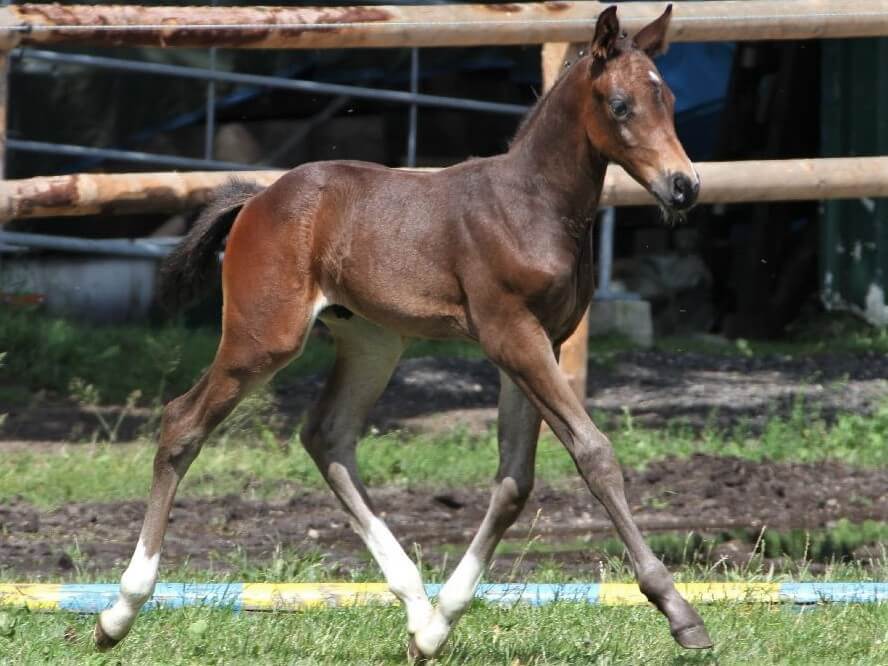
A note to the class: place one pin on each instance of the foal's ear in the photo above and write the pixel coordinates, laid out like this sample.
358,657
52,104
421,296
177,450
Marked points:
607,31
652,38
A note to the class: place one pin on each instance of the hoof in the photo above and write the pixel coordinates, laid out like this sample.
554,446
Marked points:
693,638
102,640
414,654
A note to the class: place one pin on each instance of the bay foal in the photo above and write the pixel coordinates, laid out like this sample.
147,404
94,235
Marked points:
496,250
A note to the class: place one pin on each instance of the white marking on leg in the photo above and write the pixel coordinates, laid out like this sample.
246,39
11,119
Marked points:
400,572
457,593
320,302
136,587
454,599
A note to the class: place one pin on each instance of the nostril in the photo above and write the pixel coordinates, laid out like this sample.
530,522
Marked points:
680,187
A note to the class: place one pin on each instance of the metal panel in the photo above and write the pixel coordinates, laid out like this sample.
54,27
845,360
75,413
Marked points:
854,233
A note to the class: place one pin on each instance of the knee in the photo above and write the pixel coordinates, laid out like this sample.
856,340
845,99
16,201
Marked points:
512,495
595,457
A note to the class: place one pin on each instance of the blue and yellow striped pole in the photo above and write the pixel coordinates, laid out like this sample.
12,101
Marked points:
91,598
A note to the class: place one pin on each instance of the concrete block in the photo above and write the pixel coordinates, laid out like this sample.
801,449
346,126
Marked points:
630,318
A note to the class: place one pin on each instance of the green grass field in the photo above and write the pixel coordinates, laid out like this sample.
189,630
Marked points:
44,354
560,634
557,634
47,355
245,462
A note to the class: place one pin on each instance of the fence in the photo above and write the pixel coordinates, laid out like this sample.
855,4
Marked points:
438,25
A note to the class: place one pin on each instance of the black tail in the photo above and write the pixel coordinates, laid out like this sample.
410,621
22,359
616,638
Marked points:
191,267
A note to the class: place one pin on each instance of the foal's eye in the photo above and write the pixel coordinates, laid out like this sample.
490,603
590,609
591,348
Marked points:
619,108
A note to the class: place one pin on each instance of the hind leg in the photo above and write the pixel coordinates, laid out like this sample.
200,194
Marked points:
255,344
366,356
186,423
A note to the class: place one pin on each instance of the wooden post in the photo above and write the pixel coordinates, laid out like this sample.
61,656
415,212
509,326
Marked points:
575,351
8,41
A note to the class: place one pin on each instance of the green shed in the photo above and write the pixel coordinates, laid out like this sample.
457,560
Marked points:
854,122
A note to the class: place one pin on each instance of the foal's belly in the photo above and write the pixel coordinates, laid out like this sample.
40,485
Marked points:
410,323
423,306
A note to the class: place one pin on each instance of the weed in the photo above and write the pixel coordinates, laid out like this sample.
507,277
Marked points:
90,399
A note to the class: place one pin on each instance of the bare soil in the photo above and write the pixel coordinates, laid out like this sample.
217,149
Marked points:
706,494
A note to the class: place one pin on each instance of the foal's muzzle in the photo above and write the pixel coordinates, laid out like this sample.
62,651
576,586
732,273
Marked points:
677,191
683,191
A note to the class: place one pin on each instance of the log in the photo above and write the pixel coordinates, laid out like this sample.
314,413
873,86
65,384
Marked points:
435,25
722,182
115,193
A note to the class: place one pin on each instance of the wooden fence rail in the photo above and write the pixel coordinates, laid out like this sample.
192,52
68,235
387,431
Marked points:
436,25
723,182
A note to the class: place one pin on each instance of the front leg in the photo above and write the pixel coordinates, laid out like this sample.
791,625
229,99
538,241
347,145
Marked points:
520,346
518,430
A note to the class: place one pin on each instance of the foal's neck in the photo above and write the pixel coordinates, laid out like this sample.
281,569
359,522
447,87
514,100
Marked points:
553,152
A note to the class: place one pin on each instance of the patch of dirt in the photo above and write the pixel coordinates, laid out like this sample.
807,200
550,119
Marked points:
433,394
704,493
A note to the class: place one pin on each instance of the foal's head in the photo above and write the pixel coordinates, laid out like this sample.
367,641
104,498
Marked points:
628,111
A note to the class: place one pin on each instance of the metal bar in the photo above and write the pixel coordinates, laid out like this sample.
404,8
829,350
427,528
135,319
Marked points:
4,102
299,135
116,247
210,124
123,155
210,120
282,597
606,249
412,118
606,230
358,92
722,182
428,25
4,108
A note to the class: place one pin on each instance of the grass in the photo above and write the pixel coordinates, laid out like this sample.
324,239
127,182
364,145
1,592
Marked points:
563,633
256,466
49,354
693,549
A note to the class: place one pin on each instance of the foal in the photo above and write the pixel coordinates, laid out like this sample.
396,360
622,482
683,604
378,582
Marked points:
496,250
